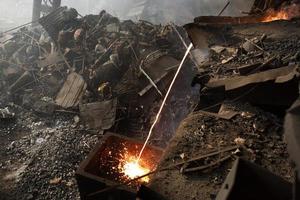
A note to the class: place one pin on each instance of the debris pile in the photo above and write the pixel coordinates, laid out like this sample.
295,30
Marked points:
90,64
67,81
249,64
249,77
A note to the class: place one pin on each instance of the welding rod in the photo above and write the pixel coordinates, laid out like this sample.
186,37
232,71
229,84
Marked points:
228,3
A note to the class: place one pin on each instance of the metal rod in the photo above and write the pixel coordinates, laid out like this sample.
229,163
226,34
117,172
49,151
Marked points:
150,80
17,27
194,169
227,4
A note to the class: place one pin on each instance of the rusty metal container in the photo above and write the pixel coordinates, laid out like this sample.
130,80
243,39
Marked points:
100,169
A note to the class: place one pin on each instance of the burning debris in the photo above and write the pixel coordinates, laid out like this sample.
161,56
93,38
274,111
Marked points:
287,12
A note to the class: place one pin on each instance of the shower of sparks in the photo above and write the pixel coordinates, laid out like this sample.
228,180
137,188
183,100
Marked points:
132,169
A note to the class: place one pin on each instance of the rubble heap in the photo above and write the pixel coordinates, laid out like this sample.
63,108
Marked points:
69,81
64,83
249,76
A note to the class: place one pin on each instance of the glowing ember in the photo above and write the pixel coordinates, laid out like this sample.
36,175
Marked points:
133,169
276,15
285,13
117,161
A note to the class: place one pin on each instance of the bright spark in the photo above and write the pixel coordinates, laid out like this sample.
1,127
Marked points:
133,169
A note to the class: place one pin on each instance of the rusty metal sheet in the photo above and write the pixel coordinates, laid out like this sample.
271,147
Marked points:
157,71
279,75
198,35
71,92
99,114
268,88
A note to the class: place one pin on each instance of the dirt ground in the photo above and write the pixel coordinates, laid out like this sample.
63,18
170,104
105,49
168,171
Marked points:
200,134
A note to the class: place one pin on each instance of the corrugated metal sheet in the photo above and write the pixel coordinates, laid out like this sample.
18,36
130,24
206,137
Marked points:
54,22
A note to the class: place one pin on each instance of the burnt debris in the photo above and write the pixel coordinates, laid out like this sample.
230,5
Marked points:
70,81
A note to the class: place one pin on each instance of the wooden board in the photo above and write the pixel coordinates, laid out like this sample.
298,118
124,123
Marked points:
71,92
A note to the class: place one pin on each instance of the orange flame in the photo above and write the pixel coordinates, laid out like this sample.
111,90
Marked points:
285,13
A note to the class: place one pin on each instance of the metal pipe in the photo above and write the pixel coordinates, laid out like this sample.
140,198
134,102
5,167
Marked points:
221,12
36,11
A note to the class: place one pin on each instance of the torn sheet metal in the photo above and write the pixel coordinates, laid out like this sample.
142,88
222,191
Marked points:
279,75
249,181
99,114
264,88
198,35
71,92
157,71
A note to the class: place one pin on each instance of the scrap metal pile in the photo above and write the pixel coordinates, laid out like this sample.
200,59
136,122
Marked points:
249,77
67,81
87,64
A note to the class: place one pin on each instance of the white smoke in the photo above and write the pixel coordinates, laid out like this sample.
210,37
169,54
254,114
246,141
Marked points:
16,12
